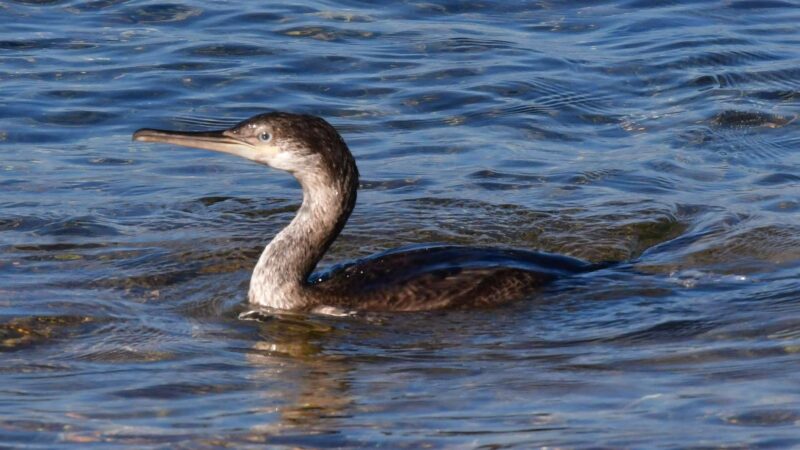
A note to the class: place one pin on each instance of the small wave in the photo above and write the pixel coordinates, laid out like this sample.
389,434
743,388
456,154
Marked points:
328,33
157,13
227,50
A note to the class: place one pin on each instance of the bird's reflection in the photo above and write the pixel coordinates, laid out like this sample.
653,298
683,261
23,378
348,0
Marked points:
313,393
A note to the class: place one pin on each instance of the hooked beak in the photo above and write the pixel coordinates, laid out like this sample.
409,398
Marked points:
219,141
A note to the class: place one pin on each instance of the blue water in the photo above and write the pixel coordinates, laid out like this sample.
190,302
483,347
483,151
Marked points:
662,133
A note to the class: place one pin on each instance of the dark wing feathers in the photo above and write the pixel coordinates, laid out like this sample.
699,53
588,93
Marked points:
427,278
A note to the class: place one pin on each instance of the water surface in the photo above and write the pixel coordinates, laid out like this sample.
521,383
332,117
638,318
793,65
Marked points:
661,133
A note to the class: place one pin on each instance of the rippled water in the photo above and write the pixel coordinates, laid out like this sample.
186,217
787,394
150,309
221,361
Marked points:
663,133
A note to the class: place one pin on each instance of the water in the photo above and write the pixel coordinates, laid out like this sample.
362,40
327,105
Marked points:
663,133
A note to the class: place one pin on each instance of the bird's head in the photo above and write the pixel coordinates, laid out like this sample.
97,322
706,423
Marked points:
291,142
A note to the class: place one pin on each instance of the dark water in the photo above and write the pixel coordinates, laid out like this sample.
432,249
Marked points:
660,132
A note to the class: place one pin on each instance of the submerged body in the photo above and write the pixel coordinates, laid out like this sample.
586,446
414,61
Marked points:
424,278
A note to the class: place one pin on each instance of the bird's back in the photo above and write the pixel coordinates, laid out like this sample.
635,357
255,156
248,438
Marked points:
441,277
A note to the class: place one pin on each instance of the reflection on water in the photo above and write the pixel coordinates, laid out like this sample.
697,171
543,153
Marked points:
661,134
290,350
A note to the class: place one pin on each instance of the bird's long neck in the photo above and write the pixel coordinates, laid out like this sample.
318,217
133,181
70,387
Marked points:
280,276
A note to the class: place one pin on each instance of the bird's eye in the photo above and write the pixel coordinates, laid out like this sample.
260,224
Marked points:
264,137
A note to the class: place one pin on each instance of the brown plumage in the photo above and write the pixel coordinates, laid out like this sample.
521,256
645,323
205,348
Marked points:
416,279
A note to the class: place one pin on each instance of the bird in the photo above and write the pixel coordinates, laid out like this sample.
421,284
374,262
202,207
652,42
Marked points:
416,278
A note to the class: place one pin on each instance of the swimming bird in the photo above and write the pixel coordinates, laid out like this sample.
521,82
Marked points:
420,278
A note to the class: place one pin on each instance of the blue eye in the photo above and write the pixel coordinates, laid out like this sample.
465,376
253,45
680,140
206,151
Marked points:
264,137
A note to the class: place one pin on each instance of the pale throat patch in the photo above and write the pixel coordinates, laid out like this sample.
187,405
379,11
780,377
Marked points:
270,155
291,162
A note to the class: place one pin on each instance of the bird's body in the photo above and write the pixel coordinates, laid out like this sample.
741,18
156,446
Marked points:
418,279
440,277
